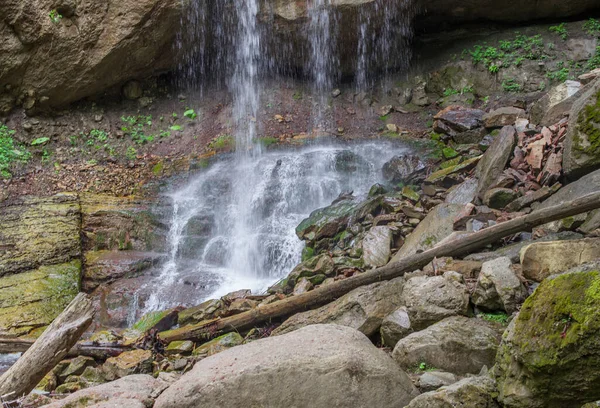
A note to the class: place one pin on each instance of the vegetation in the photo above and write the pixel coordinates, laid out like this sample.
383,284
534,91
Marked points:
190,114
592,26
55,16
10,152
500,317
510,85
594,62
222,142
508,52
136,128
561,30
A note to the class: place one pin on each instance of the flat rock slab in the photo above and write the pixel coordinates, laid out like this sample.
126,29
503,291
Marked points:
320,366
377,246
542,259
494,160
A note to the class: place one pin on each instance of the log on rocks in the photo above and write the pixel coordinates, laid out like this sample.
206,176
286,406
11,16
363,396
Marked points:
49,349
99,351
323,295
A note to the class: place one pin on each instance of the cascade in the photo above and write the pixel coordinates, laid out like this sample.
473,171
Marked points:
233,225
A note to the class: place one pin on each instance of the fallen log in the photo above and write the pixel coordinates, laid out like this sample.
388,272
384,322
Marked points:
99,351
295,304
49,349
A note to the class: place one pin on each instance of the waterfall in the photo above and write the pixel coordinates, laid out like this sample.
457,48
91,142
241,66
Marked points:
233,226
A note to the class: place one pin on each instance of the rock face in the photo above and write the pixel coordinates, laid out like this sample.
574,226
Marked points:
542,259
553,106
554,340
471,392
362,309
318,366
431,299
395,327
498,287
457,344
438,225
377,246
494,160
91,48
129,391
582,143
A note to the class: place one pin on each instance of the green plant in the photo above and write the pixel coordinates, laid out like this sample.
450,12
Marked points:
510,85
422,366
190,114
383,118
268,141
10,151
164,133
136,128
45,156
98,135
176,128
561,30
594,62
297,96
450,92
500,317
55,16
131,153
592,26
40,141
222,142
560,75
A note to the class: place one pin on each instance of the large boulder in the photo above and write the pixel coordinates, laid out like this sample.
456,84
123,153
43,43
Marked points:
406,169
93,47
436,226
362,309
498,287
582,143
542,259
431,299
395,327
319,366
377,246
130,391
550,354
457,344
495,158
473,392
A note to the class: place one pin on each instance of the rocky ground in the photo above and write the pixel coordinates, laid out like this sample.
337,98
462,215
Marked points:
511,126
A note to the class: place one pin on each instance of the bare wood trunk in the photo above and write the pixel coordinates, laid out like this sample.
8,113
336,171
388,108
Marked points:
322,295
48,350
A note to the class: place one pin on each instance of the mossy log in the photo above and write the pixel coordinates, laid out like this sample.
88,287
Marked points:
296,304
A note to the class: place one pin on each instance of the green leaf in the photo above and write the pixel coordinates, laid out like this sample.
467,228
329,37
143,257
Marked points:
190,114
40,141
176,127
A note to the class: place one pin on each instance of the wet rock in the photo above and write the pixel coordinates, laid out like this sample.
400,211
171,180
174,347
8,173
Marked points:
457,344
553,106
438,224
319,265
494,160
501,117
218,345
318,366
208,310
542,259
377,246
76,367
303,286
362,309
499,198
440,176
431,299
347,161
159,320
435,379
582,142
498,287
553,340
127,392
477,392
404,169
128,363
470,136
179,347
395,327
461,119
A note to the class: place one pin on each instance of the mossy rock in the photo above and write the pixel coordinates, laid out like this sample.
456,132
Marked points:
551,352
33,299
160,320
219,344
319,265
582,143
440,175
180,347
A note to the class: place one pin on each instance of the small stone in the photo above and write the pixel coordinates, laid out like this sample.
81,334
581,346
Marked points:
499,198
179,347
433,380
386,110
392,128
98,118
27,126
336,92
303,286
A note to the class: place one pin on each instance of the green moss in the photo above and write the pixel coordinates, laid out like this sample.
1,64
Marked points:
589,125
307,253
158,168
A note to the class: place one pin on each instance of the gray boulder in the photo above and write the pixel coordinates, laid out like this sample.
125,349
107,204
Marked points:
500,117
472,392
377,246
498,287
362,309
433,380
395,327
404,169
319,366
457,344
494,160
431,299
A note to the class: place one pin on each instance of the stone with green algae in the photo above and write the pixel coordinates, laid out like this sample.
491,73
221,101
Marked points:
219,344
550,353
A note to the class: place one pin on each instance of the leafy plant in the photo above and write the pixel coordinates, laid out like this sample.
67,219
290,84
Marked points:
422,366
10,151
176,128
501,318
136,128
450,92
592,26
45,156
190,114
510,85
594,62
40,141
55,16
222,142
560,75
131,153
561,30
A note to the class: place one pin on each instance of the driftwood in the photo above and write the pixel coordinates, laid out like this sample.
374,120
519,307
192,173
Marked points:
99,351
49,349
323,295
